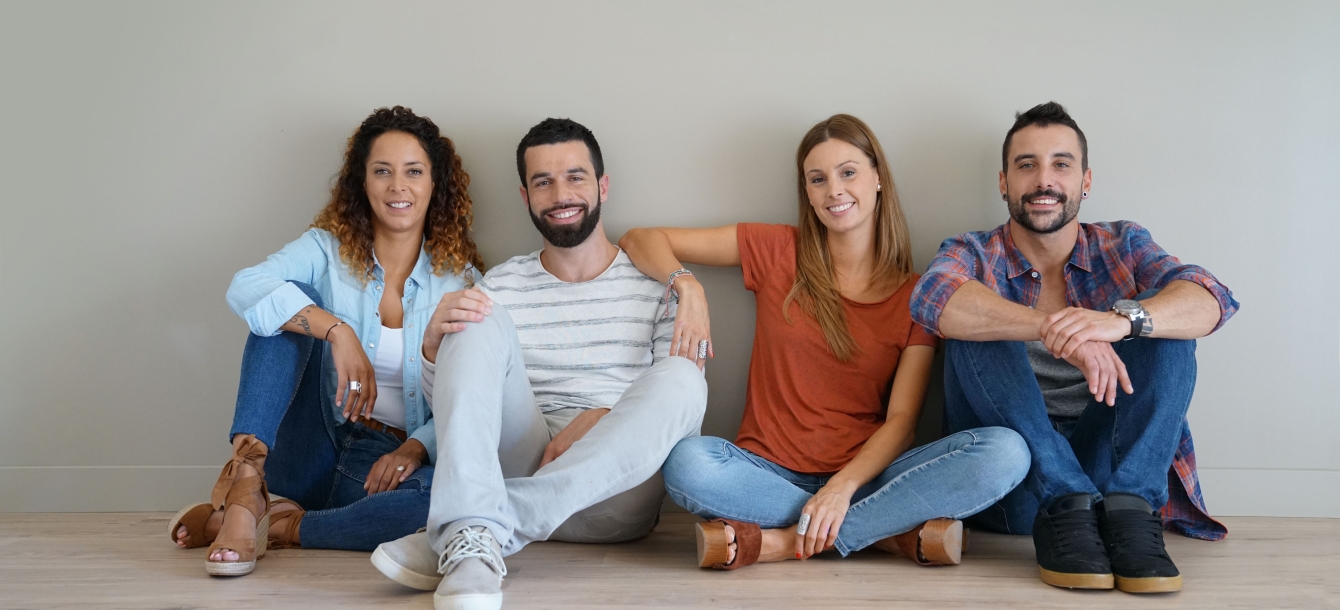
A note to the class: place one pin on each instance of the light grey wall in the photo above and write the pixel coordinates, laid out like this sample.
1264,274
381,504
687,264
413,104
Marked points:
150,150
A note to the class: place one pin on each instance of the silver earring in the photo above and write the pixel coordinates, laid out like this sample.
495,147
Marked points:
879,187
1084,195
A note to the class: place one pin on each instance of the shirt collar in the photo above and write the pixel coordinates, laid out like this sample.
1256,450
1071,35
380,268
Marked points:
1017,265
423,268
1080,257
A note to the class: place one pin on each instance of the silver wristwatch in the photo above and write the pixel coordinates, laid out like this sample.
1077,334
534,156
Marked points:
1141,324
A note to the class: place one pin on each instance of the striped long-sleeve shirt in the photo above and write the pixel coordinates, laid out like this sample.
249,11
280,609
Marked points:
583,343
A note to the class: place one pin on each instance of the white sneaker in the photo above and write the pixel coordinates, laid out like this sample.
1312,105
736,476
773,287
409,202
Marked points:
409,561
472,570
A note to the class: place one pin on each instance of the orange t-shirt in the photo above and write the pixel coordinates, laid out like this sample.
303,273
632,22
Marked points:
804,409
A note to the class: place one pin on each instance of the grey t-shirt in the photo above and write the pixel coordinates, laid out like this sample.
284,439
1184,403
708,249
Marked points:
1064,389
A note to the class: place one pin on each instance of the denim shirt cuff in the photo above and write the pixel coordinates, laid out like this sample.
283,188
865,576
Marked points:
273,310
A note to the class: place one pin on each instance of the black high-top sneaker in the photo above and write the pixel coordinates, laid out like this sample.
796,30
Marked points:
1133,534
1070,550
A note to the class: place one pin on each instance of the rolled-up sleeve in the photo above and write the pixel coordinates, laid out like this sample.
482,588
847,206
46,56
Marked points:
263,296
953,266
1155,268
427,435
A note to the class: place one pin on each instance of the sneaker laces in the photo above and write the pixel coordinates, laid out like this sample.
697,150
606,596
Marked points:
470,544
1136,532
1076,533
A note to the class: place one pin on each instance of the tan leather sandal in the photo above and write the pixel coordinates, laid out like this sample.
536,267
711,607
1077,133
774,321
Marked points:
194,517
294,518
250,493
936,542
714,544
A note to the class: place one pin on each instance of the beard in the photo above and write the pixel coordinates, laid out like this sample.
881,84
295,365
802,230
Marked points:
567,236
1069,210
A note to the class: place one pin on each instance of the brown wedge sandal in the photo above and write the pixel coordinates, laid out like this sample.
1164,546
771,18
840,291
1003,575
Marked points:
714,544
250,493
937,542
294,517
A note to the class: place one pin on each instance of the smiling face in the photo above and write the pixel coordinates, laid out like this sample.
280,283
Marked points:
842,184
1044,182
398,182
562,192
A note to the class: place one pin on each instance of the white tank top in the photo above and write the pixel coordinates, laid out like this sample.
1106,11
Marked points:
389,366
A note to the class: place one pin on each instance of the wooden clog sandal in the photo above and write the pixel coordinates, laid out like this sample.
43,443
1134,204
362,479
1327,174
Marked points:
714,544
250,493
936,542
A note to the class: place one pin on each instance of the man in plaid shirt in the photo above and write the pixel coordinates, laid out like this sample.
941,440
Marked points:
1080,337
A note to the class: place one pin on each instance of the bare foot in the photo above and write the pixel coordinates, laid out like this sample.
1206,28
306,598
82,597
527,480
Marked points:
238,522
211,528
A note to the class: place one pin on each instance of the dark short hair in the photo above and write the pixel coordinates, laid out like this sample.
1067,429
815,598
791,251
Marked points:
558,131
1043,115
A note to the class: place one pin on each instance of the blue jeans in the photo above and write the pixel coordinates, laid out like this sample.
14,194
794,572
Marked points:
953,477
1126,448
315,462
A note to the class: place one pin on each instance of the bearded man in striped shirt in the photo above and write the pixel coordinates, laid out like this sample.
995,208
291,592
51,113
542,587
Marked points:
556,392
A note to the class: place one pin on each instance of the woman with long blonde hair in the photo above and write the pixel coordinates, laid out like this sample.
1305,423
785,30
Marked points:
836,381
329,415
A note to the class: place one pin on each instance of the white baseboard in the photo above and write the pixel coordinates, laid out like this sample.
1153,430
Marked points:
1229,492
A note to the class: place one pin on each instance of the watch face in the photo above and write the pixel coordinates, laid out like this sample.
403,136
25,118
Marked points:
1127,307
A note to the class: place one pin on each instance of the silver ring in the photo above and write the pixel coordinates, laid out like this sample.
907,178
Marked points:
355,386
804,524
400,469
702,349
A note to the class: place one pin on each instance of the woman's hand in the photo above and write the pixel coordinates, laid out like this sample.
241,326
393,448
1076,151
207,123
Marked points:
453,311
351,364
386,474
826,509
692,324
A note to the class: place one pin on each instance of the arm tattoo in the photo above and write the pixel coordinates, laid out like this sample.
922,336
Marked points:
301,320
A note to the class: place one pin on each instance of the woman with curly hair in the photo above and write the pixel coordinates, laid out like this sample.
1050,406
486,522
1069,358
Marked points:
329,412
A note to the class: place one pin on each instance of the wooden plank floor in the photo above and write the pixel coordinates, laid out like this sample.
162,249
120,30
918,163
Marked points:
124,560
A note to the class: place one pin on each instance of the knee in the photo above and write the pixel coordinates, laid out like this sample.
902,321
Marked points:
1006,451
311,293
681,379
490,332
690,459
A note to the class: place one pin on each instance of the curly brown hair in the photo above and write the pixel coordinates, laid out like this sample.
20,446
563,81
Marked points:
446,228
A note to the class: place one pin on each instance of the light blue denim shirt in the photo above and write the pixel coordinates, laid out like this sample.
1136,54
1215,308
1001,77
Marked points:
263,296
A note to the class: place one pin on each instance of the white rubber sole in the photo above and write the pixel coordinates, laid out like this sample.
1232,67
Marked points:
405,576
474,601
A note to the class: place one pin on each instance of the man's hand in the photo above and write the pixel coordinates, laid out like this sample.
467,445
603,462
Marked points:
1065,331
453,311
577,428
1102,369
384,475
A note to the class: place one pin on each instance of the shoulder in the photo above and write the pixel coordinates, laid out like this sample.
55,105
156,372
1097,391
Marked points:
517,268
1103,234
768,232
975,241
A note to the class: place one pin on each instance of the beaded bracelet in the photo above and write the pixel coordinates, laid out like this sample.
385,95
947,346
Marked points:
670,289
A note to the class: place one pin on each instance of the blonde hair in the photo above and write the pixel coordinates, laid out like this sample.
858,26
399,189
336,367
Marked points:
815,288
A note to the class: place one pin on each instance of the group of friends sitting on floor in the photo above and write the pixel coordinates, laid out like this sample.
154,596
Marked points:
396,398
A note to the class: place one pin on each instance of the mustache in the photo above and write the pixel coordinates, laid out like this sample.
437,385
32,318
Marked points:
1040,193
